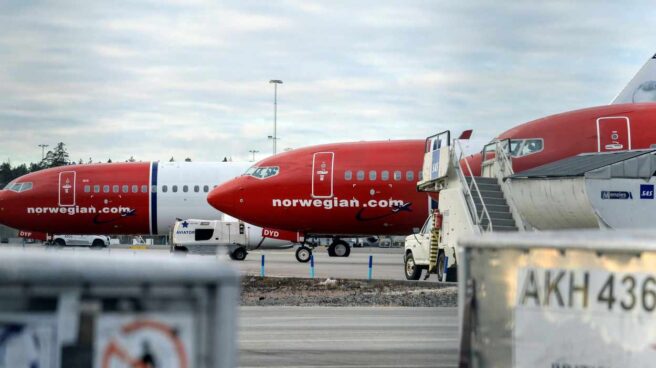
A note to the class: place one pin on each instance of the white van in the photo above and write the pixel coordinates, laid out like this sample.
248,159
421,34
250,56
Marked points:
200,236
88,240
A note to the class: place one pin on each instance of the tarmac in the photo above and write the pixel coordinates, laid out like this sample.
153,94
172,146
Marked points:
326,337
387,264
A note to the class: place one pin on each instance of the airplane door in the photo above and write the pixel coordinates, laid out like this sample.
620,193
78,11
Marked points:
67,188
322,175
613,134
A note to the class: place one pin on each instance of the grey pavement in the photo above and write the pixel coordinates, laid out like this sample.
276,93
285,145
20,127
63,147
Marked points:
387,264
348,337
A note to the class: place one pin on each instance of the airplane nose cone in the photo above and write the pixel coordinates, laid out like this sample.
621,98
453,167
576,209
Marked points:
3,209
224,197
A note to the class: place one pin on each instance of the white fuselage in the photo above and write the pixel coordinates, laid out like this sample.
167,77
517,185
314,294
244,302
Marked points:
182,189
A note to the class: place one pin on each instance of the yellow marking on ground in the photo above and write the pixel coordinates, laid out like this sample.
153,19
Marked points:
139,247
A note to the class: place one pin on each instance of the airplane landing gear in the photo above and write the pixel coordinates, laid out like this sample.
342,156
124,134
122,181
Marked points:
303,254
239,254
339,248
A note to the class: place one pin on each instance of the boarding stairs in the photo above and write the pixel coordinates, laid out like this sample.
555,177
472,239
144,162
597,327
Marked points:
470,204
488,196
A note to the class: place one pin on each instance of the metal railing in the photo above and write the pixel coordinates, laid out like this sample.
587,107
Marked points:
501,150
468,191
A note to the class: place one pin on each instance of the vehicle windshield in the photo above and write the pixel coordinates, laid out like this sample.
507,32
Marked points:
262,172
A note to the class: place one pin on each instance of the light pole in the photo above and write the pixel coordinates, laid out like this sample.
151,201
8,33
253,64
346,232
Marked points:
253,152
275,82
43,150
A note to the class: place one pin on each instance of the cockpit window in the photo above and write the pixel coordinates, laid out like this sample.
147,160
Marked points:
262,172
19,187
531,146
525,147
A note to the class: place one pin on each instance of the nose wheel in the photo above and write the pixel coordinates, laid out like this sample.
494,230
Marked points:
303,254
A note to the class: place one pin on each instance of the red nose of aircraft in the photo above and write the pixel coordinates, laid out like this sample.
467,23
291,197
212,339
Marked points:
226,197
2,208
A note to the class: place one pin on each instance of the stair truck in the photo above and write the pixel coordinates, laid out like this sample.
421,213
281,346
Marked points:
466,205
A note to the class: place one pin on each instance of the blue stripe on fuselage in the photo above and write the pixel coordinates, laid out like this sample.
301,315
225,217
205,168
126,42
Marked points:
153,199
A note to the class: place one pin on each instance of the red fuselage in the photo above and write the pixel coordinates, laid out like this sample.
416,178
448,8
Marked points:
596,129
290,194
57,202
347,188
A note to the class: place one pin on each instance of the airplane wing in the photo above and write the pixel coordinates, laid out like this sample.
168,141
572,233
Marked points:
642,88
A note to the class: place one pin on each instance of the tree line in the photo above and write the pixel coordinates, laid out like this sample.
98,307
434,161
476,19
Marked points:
58,156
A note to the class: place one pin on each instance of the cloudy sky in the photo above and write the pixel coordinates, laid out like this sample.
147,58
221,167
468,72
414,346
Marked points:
189,78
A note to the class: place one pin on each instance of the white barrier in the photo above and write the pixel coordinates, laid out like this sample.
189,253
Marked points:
99,309
558,299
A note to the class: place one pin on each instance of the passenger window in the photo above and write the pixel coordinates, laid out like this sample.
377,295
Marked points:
96,188
174,189
126,188
384,175
153,188
115,188
165,188
372,175
409,175
206,188
144,188
135,189
420,175
105,188
348,175
87,189
185,188
397,175
360,175
196,188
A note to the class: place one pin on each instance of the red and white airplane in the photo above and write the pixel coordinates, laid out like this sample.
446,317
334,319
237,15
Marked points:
369,188
363,188
116,198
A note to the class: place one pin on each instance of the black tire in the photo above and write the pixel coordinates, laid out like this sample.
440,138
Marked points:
412,271
341,249
452,274
331,250
60,242
440,266
97,243
239,254
303,254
